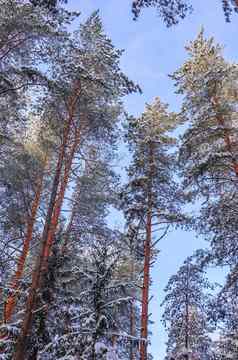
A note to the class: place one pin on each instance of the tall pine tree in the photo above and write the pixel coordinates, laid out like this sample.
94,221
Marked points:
151,197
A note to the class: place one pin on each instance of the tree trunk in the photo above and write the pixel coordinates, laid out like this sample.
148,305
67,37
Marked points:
132,310
11,300
227,138
132,330
57,210
32,296
147,259
187,313
60,199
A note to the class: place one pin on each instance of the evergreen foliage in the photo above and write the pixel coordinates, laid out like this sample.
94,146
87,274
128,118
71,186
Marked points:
172,11
72,284
185,313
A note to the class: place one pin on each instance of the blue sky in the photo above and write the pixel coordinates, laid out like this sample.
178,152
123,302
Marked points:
153,51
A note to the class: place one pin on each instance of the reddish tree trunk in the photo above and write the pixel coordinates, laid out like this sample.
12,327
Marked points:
132,304
145,291
32,296
229,146
227,138
146,271
11,300
60,199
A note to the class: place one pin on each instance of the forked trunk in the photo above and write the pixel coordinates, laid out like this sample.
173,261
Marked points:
60,199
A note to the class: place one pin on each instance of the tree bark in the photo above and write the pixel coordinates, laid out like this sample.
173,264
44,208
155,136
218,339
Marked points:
132,310
132,330
187,313
11,300
227,138
147,259
60,199
32,296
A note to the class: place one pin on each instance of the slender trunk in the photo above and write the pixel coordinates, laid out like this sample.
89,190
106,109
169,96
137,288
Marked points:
32,296
186,357
146,271
186,320
132,310
57,211
94,341
227,138
114,347
132,330
145,291
186,324
12,298
60,199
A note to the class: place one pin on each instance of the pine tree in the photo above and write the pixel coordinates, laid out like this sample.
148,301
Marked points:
22,206
208,153
88,91
133,266
185,314
27,38
88,285
151,198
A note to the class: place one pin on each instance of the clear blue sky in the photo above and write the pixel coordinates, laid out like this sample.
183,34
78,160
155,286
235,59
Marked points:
151,52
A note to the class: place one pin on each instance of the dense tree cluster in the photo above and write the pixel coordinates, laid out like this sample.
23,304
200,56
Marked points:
72,285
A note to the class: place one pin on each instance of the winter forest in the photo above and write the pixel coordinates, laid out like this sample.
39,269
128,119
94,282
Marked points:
118,180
